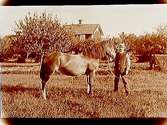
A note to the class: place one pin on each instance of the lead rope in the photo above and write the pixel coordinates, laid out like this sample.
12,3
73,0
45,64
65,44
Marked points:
111,69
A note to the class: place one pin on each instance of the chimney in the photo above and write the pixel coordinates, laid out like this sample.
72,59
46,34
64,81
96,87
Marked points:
80,21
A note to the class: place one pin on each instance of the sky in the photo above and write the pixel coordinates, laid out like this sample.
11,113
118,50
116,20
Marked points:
113,19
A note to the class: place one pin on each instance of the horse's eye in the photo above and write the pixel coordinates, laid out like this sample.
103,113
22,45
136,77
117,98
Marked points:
108,53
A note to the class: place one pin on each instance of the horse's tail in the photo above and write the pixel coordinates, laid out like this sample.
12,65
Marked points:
48,64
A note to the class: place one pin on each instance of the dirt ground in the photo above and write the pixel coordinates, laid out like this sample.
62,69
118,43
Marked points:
67,97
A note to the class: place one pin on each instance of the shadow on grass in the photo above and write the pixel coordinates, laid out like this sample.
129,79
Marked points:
18,88
54,93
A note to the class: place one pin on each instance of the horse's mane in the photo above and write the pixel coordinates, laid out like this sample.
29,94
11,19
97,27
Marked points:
90,48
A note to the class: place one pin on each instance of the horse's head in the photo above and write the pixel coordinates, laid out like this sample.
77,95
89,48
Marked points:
110,52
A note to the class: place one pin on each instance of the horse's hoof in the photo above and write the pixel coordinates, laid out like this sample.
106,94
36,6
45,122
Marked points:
44,97
90,93
115,90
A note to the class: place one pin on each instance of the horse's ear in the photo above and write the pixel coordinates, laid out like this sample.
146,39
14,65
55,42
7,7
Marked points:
129,50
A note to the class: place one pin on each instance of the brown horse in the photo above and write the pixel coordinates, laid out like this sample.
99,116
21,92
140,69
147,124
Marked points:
72,65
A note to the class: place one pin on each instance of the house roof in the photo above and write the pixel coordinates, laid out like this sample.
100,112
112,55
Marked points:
80,29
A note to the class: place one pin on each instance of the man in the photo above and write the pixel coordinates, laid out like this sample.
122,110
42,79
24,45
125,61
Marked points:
122,66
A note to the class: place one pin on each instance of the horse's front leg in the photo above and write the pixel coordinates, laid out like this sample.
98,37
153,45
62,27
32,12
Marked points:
89,82
44,89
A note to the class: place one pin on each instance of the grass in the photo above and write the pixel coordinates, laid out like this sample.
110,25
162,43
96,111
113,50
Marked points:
67,97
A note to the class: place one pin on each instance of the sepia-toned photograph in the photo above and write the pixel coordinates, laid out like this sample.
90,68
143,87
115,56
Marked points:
92,61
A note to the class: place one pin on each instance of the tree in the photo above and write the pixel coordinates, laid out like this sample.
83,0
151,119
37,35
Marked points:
161,30
143,45
6,46
34,31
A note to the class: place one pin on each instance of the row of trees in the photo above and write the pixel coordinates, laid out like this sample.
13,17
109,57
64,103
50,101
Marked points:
144,45
43,32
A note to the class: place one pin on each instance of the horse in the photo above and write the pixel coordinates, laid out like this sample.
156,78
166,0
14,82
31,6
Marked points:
73,64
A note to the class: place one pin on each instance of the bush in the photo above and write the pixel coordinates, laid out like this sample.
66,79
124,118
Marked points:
21,60
2,59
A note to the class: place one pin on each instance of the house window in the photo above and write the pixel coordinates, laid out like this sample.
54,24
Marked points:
82,37
88,36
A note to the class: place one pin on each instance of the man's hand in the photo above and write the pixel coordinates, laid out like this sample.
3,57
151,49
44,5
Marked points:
126,72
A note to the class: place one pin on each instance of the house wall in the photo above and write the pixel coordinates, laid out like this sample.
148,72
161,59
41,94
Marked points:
97,34
81,37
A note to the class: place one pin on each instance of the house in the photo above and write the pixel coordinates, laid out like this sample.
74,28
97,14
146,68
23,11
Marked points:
86,31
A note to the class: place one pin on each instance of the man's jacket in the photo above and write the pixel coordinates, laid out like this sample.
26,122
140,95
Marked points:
122,63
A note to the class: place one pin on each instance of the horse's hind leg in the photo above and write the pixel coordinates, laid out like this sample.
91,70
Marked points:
48,67
90,81
44,75
44,81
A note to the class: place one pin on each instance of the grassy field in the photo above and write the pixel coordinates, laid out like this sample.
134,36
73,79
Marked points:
67,97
